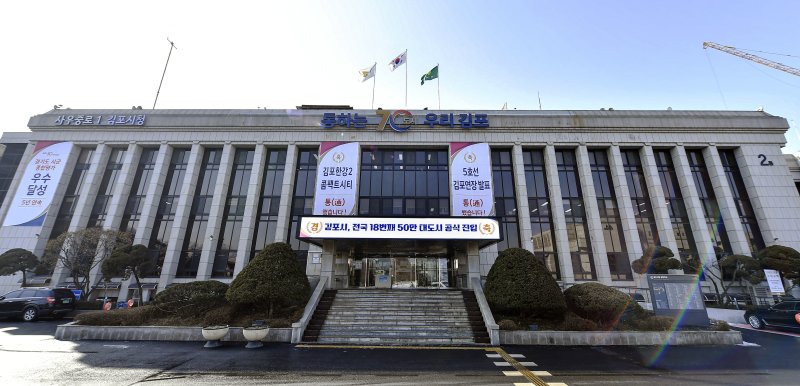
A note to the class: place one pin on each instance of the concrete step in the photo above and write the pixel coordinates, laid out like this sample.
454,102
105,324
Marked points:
395,334
442,341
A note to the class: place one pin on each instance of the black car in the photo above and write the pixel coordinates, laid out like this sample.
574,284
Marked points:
782,315
31,303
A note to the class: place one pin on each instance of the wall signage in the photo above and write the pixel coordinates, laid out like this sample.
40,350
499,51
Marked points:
38,185
774,282
402,120
678,296
471,190
100,120
336,191
399,228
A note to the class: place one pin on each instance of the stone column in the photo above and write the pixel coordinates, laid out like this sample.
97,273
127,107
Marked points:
216,214
694,208
122,190
727,205
523,211
627,218
247,234
557,213
595,226
182,213
287,190
657,200
155,189
83,209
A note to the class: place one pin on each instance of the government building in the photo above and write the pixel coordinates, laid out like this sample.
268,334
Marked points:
397,198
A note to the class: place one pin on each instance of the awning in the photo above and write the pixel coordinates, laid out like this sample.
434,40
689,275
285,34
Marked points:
145,286
108,285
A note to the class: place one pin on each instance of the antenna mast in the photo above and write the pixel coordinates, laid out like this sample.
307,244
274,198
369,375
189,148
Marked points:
171,46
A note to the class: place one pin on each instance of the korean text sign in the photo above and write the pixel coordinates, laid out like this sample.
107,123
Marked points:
336,190
38,185
471,180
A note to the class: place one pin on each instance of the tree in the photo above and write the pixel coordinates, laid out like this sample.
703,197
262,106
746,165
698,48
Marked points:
273,279
81,251
129,260
783,259
18,260
656,259
739,268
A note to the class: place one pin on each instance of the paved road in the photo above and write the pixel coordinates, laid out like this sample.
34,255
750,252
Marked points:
30,355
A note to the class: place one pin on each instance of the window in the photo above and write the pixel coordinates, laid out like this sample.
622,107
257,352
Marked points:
141,181
574,215
303,199
167,205
230,233
705,191
270,200
640,199
677,208
618,263
505,201
742,199
194,239
544,246
67,209
9,163
100,208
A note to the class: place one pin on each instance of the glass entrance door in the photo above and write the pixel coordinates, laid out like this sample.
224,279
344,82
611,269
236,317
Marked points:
399,271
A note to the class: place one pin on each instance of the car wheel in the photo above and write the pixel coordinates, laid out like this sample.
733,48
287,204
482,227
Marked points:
755,322
30,314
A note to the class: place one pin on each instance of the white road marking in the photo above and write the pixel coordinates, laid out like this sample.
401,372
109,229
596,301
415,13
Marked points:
519,374
500,356
748,344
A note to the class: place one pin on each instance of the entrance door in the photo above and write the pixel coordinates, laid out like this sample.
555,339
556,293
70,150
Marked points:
399,271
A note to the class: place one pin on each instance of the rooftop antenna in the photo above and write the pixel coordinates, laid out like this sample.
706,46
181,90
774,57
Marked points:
171,46
540,100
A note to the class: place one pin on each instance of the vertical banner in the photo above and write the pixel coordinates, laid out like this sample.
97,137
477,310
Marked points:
471,191
336,191
38,185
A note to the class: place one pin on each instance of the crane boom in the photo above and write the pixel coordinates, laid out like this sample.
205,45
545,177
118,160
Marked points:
751,57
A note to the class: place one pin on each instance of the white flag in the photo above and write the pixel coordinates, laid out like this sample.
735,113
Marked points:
398,61
367,73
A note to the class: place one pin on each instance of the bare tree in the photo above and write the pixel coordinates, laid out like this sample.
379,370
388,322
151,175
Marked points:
729,271
81,251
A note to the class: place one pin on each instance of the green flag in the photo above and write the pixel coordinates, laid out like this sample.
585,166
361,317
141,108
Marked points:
431,75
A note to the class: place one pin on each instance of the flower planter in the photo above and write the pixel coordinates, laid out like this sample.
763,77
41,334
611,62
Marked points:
213,334
255,335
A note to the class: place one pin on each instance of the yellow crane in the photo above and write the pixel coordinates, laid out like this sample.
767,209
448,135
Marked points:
751,57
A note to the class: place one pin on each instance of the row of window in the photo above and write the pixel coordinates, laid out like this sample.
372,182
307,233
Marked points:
410,182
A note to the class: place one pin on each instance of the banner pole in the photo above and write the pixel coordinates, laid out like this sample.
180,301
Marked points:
372,106
406,55
438,93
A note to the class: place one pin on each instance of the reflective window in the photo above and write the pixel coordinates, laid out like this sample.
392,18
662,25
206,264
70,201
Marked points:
67,209
705,191
167,205
9,163
303,199
742,199
574,215
104,194
675,205
617,253
230,232
133,208
544,245
194,239
505,201
270,200
640,199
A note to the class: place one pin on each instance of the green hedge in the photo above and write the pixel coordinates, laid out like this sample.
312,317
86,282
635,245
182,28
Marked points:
191,298
597,302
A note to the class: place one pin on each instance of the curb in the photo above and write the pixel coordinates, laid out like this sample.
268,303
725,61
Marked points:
72,331
620,338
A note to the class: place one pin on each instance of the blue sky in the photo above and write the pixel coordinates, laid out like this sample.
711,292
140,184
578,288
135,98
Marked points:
575,54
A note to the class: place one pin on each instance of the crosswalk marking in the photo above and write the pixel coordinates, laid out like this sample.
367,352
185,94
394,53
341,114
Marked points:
519,374
500,356
531,384
526,364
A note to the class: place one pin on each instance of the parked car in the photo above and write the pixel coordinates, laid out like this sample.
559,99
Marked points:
782,315
31,303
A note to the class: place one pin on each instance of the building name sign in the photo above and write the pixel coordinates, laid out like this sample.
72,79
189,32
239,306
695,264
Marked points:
402,120
100,120
328,227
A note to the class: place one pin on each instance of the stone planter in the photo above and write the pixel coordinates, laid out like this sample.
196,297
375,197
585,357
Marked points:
255,335
213,335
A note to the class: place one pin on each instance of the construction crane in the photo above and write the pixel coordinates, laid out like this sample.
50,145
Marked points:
757,59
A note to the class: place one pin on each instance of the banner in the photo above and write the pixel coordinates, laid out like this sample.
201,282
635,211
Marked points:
406,228
38,185
336,191
471,191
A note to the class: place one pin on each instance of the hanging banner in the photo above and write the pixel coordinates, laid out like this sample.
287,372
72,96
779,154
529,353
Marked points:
336,191
404,228
471,180
38,185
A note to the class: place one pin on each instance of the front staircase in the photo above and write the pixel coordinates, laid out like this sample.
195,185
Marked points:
397,317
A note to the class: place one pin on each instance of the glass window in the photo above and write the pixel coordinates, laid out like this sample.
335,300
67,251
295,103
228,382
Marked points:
613,236
167,205
230,233
572,205
675,205
544,246
9,163
640,198
505,198
138,193
303,201
71,195
198,216
270,200
742,199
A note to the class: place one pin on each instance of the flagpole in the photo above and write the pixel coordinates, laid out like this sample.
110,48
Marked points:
406,54
438,77
373,87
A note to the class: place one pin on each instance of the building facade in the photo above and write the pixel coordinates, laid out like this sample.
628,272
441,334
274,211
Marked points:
585,191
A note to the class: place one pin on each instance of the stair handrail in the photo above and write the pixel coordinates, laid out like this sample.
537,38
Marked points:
299,327
488,319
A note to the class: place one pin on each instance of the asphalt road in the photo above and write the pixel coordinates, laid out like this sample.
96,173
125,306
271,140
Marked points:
30,355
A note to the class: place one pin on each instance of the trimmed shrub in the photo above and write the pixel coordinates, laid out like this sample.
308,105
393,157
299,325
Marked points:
191,298
652,323
508,324
720,325
273,280
573,322
597,302
656,259
518,284
136,316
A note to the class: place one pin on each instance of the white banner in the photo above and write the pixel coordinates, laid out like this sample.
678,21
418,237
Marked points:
471,191
774,281
38,186
399,228
336,191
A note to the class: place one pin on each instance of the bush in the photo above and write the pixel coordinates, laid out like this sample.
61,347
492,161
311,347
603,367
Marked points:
720,325
656,259
191,298
273,280
519,284
507,324
136,316
651,323
597,302
573,322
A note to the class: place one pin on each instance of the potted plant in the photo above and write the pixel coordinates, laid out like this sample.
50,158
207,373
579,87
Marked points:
213,334
255,334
